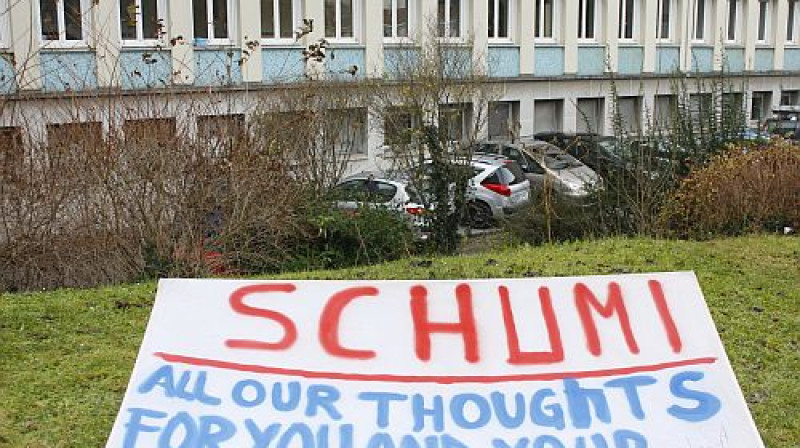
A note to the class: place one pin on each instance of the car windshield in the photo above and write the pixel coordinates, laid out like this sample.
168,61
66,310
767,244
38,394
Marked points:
557,160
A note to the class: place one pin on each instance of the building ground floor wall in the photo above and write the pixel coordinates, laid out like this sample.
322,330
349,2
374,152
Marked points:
521,107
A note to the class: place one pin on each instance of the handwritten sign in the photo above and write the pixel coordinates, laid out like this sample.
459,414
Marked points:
627,361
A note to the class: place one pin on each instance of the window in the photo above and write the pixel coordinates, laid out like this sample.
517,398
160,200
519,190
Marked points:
211,20
590,115
340,19
150,130
503,120
399,125
396,18
664,24
700,20
732,23
664,109
71,143
63,20
449,20
790,97
547,115
763,21
12,153
628,23
499,13
141,20
630,112
346,131
761,105
221,133
587,19
279,18
453,122
792,24
545,17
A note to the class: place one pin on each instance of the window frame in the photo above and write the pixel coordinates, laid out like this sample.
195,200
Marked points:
706,20
622,26
736,22
297,17
215,41
596,14
356,13
462,22
62,41
412,11
764,12
539,21
140,40
671,16
494,9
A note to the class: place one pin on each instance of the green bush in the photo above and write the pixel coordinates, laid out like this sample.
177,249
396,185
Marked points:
743,190
326,238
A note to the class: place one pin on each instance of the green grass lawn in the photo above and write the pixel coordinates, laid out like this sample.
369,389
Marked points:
65,356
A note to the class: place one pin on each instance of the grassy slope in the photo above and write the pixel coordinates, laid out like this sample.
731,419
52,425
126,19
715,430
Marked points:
65,356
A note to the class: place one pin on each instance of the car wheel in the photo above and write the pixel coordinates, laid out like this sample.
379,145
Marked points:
479,215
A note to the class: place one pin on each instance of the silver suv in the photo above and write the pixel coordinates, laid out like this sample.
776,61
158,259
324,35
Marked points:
497,187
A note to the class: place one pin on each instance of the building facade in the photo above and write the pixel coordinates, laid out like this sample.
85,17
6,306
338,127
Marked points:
554,60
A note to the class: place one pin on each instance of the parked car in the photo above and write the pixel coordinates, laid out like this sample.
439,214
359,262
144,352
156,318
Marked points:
377,190
600,153
546,165
497,188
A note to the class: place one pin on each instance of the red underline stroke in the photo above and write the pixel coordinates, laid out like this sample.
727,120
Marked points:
391,378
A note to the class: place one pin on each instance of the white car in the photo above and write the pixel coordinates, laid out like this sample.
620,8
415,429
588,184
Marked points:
373,189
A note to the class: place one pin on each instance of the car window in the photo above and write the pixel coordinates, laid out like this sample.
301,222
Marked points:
506,176
349,191
383,193
493,178
516,171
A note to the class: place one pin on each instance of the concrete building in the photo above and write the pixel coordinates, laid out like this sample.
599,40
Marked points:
553,59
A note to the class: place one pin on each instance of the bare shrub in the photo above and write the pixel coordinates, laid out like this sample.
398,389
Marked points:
743,190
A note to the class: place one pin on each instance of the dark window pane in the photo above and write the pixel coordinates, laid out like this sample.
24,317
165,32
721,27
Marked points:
287,19
581,25
455,18
150,19
701,20
732,10
503,22
629,11
49,15
665,12
548,18
200,11
387,18
491,18
267,19
330,18
762,21
220,19
347,18
790,22
442,18
402,18
72,20
589,19
127,18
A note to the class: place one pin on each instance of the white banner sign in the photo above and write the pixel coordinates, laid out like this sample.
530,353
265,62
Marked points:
626,361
